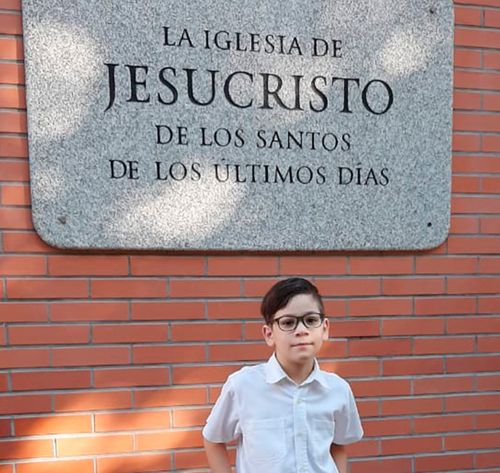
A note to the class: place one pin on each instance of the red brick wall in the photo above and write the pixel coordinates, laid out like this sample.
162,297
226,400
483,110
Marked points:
109,363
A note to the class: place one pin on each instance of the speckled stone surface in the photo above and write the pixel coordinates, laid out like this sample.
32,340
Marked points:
234,127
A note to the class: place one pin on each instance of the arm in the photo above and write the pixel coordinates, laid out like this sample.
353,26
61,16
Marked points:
339,455
218,460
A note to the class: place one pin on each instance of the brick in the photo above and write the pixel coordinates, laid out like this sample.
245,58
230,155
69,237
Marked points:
381,388
135,463
91,356
24,358
489,305
411,445
446,265
312,265
49,334
23,242
492,18
473,325
88,311
368,408
13,147
12,218
488,344
14,171
167,440
25,404
443,384
383,265
487,421
200,288
59,466
169,397
12,97
386,465
15,194
167,266
242,266
10,23
461,224
13,122
169,354
94,400
483,285
22,265
489,383
445,305
491,102
466,184
23,312
413,326
379,307
487,460
413,366
349,287
466,101
473,403
474,164
355,328
190,417
467,16
476,245
233,309
47,288
444,462
490,225
88,265
414,405
490,185
443,345
206,332
11,73
19,449
130,333
489,265
387,427
53,424
475,37
202,374
380,347
168,310
491,60
122,377
467,142
128,288
448,423
11,49
257,287
466,121
364,448
472,441
102,444
123,421
353,369
470,364
245,352
37,380
417,286
5,430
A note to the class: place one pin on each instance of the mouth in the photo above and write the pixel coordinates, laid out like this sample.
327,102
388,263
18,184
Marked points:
302,345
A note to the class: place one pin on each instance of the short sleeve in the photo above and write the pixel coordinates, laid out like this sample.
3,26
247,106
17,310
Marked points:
223,422
348,427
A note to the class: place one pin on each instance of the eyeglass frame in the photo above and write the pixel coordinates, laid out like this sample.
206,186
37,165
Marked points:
299,319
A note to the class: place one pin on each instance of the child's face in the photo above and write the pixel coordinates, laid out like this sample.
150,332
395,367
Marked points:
297,346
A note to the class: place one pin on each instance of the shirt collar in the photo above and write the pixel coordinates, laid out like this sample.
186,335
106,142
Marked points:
275,373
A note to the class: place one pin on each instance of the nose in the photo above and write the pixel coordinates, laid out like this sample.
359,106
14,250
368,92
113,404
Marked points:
301,328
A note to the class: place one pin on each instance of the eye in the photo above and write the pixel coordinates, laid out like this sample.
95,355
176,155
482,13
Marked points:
287,322
312,320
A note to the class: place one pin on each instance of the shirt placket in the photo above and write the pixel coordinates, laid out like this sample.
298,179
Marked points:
300,428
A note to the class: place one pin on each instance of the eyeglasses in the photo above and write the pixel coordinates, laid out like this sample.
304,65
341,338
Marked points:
288,323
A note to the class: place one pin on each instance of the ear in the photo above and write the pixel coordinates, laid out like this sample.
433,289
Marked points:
267,333
326,329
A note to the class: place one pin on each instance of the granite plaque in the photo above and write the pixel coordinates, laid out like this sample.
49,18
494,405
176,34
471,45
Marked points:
240,125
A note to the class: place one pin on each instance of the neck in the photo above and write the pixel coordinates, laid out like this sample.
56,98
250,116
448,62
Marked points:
297,372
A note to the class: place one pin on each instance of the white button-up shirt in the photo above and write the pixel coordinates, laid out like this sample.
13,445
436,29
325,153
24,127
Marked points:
281,426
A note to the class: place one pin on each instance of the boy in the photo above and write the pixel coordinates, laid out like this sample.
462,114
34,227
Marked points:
287,415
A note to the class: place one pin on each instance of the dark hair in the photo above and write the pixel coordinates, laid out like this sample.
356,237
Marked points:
282,292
